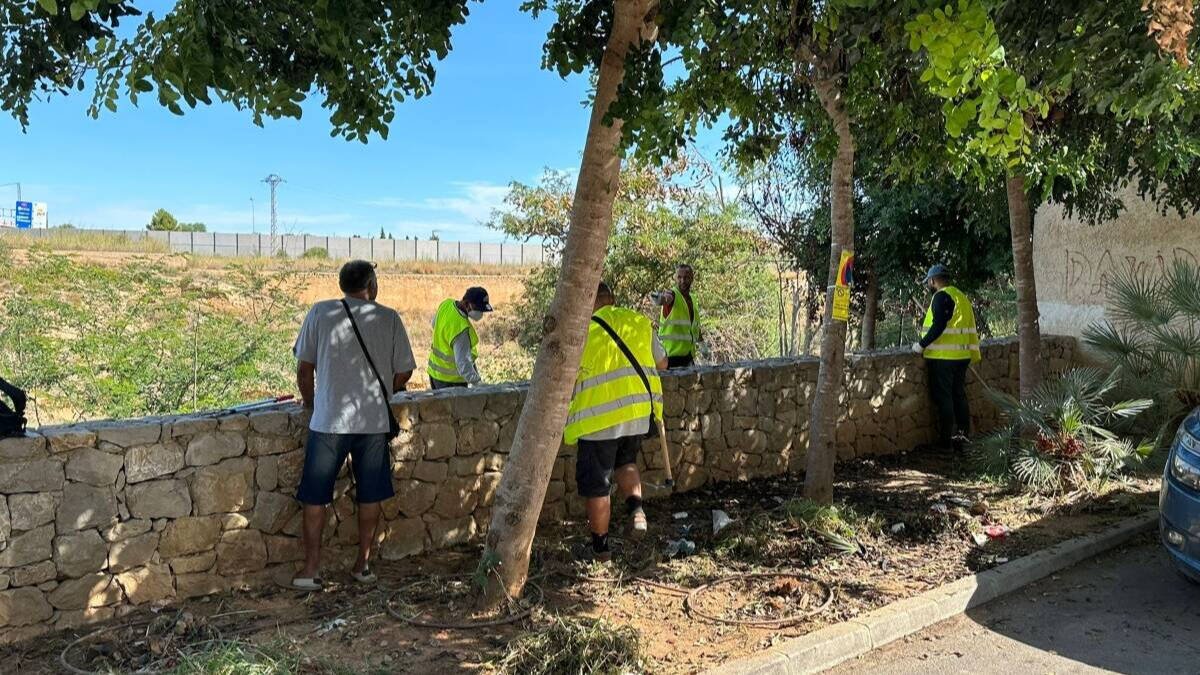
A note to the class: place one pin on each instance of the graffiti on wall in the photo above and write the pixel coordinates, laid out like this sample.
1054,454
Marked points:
1088,273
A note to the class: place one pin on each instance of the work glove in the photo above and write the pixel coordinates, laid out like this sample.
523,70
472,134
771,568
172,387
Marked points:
659,297
917,348
703,352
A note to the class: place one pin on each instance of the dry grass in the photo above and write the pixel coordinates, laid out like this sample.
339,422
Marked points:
563,644
63,239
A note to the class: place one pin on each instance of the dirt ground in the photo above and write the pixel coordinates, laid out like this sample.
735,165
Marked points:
871,561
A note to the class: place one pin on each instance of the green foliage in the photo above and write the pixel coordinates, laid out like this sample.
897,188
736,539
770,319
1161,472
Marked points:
316,253
45,46
1152,336
163,221
575,645
362,56
985,100
1061,440
142,338
659,221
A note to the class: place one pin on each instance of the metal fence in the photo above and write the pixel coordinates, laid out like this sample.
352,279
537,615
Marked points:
296,245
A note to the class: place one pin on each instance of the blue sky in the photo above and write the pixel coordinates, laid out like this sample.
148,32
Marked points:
495,116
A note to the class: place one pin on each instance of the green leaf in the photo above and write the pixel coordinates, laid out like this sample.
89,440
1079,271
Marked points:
49,6
77,10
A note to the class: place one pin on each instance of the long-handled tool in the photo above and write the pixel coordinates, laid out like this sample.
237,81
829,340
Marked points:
253,405
666,456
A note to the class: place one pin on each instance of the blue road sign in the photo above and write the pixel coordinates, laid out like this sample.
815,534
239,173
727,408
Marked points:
24,215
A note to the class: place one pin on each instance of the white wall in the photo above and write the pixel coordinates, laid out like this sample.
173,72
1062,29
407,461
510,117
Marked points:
1074,261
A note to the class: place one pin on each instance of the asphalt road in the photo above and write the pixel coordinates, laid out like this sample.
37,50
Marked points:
1126,612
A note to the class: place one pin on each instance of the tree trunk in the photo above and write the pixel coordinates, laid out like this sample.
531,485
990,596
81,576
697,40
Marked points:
822,448
1029,333
522,489
870,313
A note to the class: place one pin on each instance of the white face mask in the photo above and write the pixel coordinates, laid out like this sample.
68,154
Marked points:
475,315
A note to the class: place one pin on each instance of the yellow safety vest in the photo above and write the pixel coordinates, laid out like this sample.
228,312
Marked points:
608,390
680,331
447,325
960,340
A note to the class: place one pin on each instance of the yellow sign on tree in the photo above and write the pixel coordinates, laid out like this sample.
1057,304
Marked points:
841,287
841,303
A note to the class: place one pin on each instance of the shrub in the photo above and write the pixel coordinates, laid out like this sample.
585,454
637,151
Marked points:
144,337
1152,338
657,223
317,253
1059,440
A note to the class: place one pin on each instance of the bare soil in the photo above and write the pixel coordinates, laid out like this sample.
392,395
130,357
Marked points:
349,628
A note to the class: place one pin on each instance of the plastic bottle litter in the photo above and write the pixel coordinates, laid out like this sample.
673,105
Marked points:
979,538
680,516
679,548
721,520
897,528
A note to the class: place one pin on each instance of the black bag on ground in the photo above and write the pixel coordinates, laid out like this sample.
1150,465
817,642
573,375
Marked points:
12,419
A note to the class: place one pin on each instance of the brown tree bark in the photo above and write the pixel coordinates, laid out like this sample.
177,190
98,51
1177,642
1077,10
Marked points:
870,313
1029,333
522,489
822,450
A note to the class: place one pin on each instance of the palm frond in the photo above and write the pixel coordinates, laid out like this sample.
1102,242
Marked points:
1127,409
991,455
1137,298
1040,472
839,542
1114,343
1179,339
1181,287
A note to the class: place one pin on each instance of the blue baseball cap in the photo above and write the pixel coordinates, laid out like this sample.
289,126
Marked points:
938,270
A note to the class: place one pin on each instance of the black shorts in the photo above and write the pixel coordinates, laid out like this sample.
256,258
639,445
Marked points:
595,462
324,455
685,361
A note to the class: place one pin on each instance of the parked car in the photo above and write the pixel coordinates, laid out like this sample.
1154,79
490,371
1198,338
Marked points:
1179,499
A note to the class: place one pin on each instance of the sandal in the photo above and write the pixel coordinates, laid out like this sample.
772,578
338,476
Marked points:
308,583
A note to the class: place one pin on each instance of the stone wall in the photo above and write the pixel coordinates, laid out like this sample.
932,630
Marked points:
101,517
1073,261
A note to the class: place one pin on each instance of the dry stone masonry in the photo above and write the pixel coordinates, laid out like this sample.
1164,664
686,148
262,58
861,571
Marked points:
99,518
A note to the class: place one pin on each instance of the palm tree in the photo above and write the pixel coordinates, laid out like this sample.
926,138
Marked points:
1059,439
1151,337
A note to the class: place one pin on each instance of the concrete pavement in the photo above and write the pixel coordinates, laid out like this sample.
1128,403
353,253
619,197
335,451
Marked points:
1126,611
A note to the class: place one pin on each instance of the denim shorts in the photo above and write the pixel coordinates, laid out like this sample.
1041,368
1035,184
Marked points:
324,455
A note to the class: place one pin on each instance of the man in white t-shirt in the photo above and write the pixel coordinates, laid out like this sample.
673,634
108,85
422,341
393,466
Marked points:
349,409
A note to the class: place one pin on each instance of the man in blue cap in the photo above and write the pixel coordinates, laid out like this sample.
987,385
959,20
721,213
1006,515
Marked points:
950,345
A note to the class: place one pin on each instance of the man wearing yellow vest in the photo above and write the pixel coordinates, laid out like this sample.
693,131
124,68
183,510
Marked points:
679,327
950,346
455,342
617,397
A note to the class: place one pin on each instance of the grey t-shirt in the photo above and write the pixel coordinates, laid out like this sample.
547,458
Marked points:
347,397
